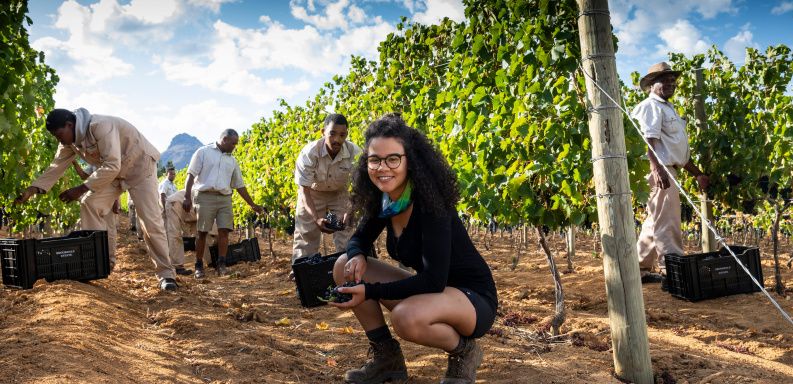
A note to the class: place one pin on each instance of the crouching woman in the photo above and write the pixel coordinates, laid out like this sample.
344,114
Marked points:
402,184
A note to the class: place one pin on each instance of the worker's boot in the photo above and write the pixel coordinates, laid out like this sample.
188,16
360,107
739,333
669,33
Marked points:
385,363
463,362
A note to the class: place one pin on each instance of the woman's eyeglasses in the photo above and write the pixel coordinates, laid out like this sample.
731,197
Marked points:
392,161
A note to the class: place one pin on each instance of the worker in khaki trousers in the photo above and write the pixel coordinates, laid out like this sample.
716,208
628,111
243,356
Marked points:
124,160
665,131
322,173
178,222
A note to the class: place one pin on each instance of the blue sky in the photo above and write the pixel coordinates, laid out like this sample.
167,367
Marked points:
200,66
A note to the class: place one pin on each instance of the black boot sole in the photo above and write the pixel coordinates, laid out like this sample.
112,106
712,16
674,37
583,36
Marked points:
392,377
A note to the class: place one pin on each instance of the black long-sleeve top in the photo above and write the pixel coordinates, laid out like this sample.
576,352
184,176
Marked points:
438,248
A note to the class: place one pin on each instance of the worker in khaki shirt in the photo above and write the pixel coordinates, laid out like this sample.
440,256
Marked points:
178,222
322,173
665,131
124,160
167,187
215,174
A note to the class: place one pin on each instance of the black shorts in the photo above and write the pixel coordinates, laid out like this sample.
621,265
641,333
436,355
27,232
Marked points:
485,312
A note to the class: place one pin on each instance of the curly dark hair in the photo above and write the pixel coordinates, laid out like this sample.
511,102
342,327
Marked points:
434,183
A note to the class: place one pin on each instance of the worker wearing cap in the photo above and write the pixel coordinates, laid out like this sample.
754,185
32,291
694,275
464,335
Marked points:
665,131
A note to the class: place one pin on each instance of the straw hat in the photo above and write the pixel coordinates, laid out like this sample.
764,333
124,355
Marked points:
656,70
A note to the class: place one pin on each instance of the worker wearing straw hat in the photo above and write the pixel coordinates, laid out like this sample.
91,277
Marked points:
665,132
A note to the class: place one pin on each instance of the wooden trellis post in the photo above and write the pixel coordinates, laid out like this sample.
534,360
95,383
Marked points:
615,215
705,206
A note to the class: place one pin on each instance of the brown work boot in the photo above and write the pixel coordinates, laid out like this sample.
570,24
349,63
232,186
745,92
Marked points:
463,363
385,363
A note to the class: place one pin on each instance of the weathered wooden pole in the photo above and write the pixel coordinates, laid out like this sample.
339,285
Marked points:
705,205
570,242
615,216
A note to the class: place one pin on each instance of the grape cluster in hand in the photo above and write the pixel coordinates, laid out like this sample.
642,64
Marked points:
333,222
332,294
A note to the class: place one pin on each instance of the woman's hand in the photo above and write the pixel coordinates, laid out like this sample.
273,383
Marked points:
358,293
355,268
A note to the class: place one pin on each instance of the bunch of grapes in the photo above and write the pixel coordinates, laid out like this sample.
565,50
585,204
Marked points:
332,294
333,222
314,259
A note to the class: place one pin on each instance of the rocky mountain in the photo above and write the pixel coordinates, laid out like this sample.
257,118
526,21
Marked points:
180,150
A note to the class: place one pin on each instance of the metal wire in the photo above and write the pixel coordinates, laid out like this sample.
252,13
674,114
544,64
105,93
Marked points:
594,159
600,195
592,12
597,56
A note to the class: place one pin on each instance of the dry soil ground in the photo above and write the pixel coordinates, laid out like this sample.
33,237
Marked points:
249,327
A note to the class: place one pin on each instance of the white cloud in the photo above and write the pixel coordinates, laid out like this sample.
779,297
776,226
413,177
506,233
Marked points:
356,14
711,8
192,119
152,11
735,47
238,56
637,22
213,5
436,10
334,16
91,57
682,37
160,123
783,7
410,5
363,41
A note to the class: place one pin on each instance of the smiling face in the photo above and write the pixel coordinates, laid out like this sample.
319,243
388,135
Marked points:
390,181
334,134
665,86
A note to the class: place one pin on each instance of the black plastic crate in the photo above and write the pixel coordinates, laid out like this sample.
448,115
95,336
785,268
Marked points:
18,262
313,275
713,274
245,250
82,255
188,243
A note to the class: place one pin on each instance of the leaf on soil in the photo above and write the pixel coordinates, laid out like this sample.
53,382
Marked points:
331,362
735,348
284,322
322,326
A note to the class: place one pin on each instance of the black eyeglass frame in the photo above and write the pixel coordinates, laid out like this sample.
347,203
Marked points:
381,159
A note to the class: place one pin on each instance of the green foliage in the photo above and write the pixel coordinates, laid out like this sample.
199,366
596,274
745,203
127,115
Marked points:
26,86
500,95
748,146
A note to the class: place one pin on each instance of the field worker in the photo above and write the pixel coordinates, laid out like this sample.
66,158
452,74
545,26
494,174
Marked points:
167,187
124,160
322,173
178,222
406,187
665,131
134,223
215,174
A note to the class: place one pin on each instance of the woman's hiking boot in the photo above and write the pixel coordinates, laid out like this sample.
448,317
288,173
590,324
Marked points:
385,363
463,362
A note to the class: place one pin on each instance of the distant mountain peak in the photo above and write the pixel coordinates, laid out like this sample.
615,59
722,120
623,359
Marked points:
180,150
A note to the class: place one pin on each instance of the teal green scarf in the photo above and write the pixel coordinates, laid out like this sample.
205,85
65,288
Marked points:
392,208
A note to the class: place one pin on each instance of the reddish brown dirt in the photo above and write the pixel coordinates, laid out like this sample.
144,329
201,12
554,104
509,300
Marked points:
249,328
